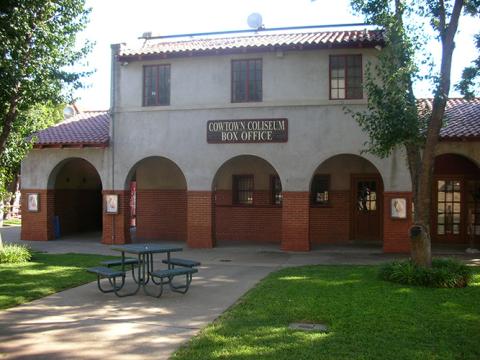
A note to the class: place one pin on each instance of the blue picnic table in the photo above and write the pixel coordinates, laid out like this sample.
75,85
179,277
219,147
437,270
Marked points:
144,272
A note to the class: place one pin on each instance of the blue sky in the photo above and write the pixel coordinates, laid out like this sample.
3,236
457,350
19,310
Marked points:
114,21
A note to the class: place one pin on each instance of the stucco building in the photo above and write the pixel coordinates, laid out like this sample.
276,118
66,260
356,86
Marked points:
244,138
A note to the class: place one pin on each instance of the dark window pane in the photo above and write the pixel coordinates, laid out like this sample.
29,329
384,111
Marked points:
276,189
156,85
246,80
346,77
242,189
320,189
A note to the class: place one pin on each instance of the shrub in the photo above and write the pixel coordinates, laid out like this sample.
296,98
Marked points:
444,273
12,253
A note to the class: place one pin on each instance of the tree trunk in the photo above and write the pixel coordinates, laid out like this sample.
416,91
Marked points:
13,188
420,231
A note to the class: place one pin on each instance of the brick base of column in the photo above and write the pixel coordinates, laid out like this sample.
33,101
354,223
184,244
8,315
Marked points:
395,231
116,227
199,219
38,225
295,221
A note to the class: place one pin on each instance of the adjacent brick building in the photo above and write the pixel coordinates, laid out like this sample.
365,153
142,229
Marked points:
244,138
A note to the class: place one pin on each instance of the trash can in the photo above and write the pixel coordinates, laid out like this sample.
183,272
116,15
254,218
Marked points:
56,226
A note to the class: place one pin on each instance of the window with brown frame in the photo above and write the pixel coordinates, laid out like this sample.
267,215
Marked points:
320,189
346,77
247,80
276,190
242,189
156,85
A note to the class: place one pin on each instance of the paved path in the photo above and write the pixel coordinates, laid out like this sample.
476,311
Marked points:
82,323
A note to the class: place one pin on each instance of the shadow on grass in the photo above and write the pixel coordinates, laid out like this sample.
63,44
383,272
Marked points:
368,319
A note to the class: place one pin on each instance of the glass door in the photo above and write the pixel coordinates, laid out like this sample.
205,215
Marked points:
449,209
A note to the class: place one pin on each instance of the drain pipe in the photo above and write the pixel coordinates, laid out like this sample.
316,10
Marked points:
113,90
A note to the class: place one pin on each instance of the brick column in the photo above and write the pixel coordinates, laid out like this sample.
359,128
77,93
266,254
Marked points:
295,221
199,219
395,231
38,225
116,227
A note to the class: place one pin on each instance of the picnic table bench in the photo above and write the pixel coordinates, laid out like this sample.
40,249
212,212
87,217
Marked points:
142,269
111,275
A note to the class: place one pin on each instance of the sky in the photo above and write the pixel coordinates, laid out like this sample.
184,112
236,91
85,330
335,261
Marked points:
116,21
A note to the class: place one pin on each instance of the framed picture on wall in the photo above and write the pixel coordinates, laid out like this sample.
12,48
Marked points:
398,208
111,204
33,202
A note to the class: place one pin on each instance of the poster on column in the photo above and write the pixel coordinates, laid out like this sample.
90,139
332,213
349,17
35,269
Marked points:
111,204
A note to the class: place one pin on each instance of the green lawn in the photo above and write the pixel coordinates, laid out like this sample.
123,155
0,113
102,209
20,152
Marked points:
12,222
44,275
368,319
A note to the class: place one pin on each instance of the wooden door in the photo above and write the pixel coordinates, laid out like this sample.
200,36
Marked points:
367,196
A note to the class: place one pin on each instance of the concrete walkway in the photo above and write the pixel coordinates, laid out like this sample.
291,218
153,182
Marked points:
82,323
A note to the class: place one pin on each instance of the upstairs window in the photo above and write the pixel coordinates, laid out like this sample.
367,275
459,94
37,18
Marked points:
242,189
276,190
320,189
346,77
246,80
156,85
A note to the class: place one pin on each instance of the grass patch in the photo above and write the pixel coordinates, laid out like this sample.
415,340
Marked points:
44,275
368,319
12,253
12,222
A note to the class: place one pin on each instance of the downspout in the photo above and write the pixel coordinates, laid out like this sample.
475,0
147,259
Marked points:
113,90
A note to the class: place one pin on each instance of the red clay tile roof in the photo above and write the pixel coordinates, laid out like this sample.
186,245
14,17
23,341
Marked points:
88,128
462,118
258,41
91,128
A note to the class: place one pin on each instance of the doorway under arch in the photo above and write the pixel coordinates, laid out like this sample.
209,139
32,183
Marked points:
77,197
455,215
346,201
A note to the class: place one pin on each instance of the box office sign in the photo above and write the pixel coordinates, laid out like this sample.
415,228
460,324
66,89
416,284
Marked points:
247,131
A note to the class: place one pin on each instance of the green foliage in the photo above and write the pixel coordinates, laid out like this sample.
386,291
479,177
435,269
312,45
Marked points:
471,75
392,118
38,49
444,273
12,254
367,318
36,118
37,41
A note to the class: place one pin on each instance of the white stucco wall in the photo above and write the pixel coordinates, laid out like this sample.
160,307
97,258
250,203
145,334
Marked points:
42,165
295,86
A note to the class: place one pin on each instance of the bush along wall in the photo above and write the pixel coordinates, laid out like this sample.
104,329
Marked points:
444,273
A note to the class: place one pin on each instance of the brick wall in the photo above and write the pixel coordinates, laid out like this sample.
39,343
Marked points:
331,224
38,225
295,224
78,210
260,222
162,214
116,227
199,214
395,231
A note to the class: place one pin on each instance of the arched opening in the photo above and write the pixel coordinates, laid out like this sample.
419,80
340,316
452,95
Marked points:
247,201
346,201
77,197
456,201
158,200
